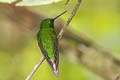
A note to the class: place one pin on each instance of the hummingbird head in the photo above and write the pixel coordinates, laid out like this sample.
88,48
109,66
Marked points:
49,22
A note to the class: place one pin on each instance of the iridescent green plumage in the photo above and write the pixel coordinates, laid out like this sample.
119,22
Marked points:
48,43
46,36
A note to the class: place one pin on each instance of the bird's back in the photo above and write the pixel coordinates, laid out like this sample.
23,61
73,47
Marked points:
46,36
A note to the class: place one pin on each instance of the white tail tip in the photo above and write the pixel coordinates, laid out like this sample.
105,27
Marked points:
56,73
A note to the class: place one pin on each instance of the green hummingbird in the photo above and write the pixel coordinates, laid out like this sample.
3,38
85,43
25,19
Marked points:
48,43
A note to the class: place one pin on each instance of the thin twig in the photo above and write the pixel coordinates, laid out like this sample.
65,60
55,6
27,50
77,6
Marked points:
59,37
15,2
117,77
67,2
35,68
69,20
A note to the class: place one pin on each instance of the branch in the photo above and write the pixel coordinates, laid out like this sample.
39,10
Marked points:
15,2
93,57
35,68
69,20
67,2
117,77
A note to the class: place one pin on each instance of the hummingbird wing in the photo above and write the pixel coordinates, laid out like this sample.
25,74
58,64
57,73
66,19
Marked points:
54,63
56,57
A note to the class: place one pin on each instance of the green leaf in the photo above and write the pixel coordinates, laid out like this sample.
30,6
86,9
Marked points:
30,2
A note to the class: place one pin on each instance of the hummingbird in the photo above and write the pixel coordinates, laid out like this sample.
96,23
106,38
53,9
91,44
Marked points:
48,43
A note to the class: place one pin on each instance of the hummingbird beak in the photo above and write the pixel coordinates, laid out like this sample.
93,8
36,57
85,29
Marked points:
59,15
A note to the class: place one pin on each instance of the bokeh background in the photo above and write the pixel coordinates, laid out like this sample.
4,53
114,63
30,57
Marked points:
96,20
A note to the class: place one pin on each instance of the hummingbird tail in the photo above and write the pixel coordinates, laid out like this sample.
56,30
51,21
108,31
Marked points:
55,70
54,67
56,73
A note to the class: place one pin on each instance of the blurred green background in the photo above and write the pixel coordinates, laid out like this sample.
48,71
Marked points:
96,19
